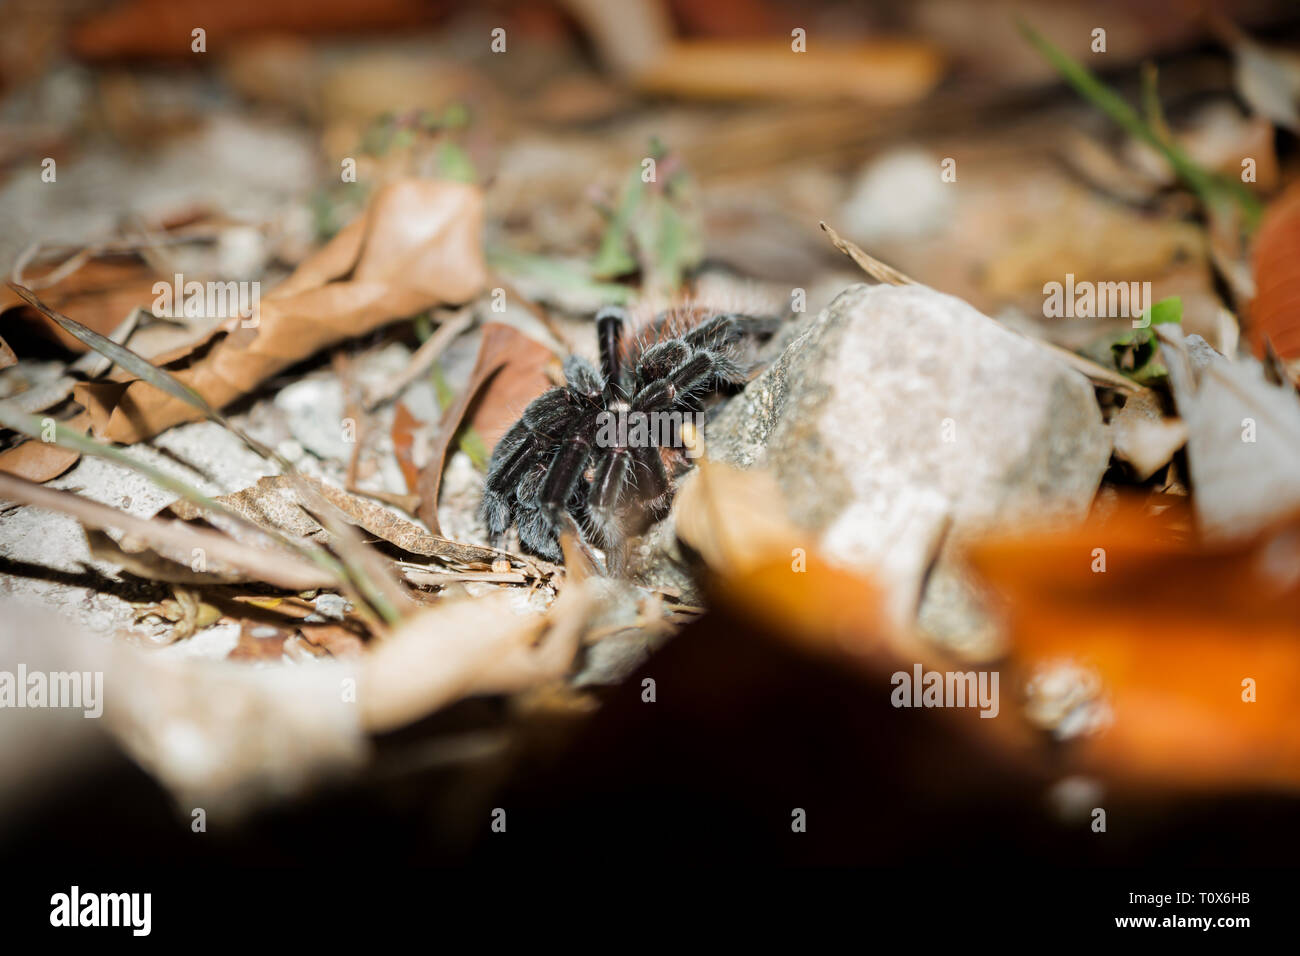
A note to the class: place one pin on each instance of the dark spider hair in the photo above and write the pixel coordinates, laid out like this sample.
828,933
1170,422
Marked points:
538,479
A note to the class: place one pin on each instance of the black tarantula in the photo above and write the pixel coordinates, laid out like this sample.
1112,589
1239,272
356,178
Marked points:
539,478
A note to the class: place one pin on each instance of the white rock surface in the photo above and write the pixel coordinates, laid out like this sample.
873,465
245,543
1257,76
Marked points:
902,420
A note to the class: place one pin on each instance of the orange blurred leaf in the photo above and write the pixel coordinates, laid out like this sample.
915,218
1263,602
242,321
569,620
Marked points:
1275,311
1174,629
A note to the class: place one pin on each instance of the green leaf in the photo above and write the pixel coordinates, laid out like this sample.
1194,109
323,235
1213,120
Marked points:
614,257
557,275
454,163
1166,311
1135,352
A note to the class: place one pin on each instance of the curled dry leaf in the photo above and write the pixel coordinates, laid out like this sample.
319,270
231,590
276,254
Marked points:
7,356
508,373
418,245
1195,645
99,294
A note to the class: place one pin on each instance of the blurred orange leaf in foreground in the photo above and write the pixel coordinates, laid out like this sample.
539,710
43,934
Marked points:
1181,634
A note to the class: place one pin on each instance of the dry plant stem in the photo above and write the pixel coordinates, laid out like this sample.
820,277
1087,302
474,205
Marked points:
367,570
424,357
141,367
84,254
351,410
868,264
449,577
283,569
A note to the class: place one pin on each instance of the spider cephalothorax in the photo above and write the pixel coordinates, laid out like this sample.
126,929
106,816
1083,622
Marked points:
589,454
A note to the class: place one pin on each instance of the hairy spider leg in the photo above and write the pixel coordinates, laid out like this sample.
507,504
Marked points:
518,451
651,476
608,488
583,378
566,469
658,361
664,393
609,334
718,331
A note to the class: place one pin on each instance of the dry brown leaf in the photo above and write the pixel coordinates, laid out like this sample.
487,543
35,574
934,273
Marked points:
148,28
99,294
337,640
405,427
521,379
508,374
1174,629
885,72
7,356
1275,311
42,461
259,642
418,245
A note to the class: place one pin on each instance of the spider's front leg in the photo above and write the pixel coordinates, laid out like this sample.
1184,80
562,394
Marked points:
608,487
518,452
562,479
610,322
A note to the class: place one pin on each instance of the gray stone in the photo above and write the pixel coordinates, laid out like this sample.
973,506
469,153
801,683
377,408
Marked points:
903,420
